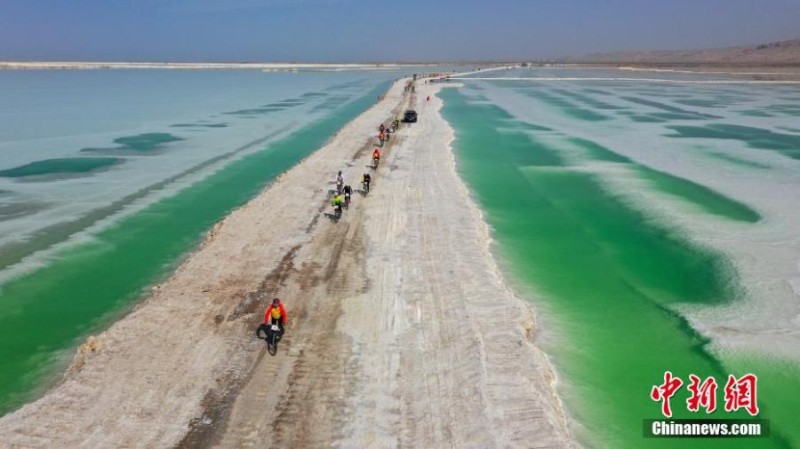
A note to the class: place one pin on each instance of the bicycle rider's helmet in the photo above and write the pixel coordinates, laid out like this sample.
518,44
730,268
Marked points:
276,301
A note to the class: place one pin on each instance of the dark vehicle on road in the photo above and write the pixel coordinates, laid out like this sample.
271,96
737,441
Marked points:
410,116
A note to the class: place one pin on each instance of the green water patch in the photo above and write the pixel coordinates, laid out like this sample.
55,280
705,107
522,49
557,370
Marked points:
778,390
526,152
660,93
199,125
786,144
791,110
292,102
510,124
44,238
675,113
565,106
715,101
647,118
146,142
587,100
701,102
277,106
599,152
607,275
755,113
140,143
643,118
703,197
739,161
50,310
530,126
12,211
63,166
355,84
331,103
516,125
790,129
669,116
479,97
258,111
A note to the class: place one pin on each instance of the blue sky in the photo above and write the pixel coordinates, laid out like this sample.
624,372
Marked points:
361,30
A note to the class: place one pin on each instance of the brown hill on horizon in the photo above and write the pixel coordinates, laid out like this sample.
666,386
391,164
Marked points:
775,53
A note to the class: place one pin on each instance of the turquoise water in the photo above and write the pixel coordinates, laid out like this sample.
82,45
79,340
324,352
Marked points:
701,196
765,139
740,161
566,106
139,143
60,166
117,140
47,312
608,274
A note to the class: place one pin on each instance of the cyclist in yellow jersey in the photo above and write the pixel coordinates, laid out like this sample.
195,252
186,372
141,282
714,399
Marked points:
276,314
337,202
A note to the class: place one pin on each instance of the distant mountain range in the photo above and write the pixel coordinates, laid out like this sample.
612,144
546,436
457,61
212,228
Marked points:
776,53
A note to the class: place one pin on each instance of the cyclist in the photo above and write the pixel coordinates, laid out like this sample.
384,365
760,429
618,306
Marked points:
348,191
339,182
365,180
376,157
337,202
276,314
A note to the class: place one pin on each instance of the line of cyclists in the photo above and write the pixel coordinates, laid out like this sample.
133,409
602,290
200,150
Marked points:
341,199
275,316
384,132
